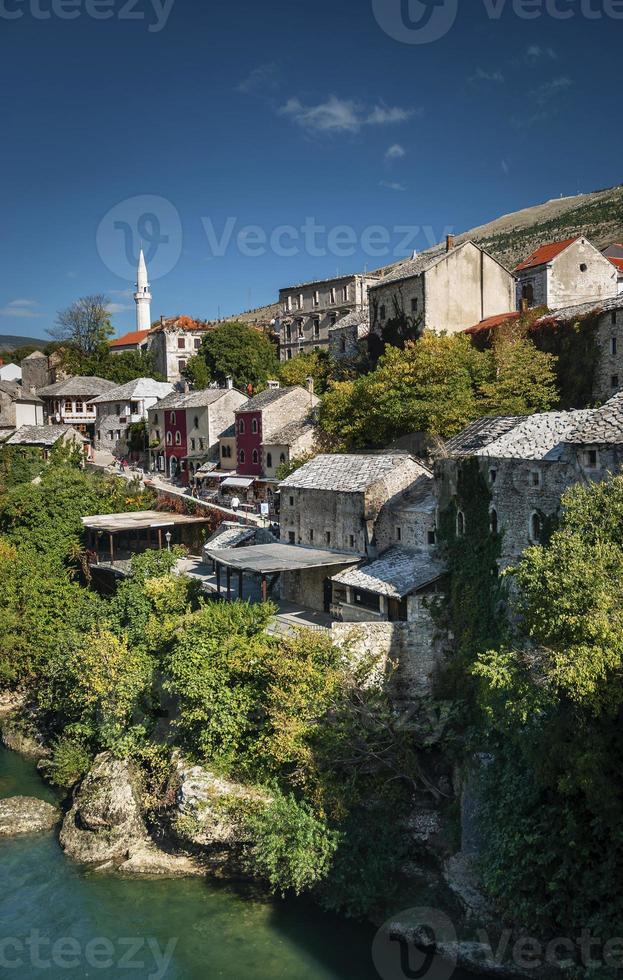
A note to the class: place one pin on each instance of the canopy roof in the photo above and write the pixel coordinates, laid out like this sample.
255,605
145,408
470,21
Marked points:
267,559
137,520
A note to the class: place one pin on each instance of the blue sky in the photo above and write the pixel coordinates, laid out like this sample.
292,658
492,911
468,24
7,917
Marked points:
211,121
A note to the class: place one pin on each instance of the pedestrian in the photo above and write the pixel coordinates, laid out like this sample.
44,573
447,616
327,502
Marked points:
235,504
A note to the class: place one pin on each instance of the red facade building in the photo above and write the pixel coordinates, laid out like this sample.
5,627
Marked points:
175,441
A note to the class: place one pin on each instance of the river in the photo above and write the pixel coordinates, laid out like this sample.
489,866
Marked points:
58,921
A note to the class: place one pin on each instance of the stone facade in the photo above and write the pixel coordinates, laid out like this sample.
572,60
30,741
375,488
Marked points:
562,273
447,290
123,406
272,428
174,342
308,312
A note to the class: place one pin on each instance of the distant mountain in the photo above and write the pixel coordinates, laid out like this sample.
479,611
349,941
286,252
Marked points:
511,238
8,342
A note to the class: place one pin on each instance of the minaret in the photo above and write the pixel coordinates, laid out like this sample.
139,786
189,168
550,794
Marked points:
142,296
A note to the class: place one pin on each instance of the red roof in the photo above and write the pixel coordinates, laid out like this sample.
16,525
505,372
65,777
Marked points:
135,337
617,263
493,321
546,253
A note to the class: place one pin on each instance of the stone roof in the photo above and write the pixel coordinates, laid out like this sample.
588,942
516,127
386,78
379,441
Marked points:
419,497
602,426
230,535
395,574
266,398
581,310
205,397
537,436
11,388
229,432
359,318
42,435
321,282
80,387
290,433
36,355
345,473
139,388
479,434
413,267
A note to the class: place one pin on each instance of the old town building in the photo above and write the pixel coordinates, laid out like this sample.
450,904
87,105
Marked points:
71,402
123,406
563,273
173,342
273,428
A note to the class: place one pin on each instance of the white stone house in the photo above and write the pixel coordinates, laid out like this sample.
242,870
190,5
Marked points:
309,311
122,406
10,372
18,408
564,273
447,289
173,342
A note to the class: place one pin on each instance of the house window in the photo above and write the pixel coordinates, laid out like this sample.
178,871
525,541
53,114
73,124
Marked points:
382,312
414,305
535,478
311,536
316,327
460,524
291,537
614,381
158,434
536,527
398,534
301,301
254,427
352,541
255,456
269,460
182,365
432,538
332,295
241,456
134,408
333,319
493,475
613,318
316,298
289,355
346,294
197,343
79,405
178,439
196,422
169,439
327,537
200,443
291,501
583,267
99,436
156,418
493,521
301,332
288,331
117,409
343,345
109,434
173,418
527,293
591,459
241,427
613,346
192,444
282,458
181,343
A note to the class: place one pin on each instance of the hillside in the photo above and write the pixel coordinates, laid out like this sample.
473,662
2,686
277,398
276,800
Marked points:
598,215
8,342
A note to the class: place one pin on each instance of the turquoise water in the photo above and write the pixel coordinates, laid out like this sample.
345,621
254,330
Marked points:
106,928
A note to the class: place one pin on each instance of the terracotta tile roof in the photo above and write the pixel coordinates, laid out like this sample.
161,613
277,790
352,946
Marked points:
546,253
184,323
134,337
493,321
617,263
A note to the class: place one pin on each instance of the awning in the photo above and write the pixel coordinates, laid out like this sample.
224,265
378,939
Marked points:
279,557
240,482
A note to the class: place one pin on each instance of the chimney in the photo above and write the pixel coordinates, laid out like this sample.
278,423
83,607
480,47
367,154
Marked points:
229,383
449,243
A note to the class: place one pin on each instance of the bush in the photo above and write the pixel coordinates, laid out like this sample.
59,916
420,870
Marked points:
70,761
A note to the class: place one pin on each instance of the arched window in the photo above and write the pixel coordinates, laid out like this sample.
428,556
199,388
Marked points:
178,439
255,456
460,524
173,418
343,342
196,421
169,439
269,460
493,520
536,527
241,456
241,426
254,426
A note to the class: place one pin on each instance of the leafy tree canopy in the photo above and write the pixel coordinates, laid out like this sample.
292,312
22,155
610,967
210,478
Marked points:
236,351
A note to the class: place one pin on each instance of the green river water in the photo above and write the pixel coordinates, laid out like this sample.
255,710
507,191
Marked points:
131,925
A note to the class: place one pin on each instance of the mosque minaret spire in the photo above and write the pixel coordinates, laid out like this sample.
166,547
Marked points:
142,296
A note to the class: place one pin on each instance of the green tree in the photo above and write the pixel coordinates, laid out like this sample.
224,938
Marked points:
236,351
298,370
85,325
524,379
196,372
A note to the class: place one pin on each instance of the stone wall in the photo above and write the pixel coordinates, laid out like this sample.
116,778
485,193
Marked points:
609,373
307,587
568,284
416,648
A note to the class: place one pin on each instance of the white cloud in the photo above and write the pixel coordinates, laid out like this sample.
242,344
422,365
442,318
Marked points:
535,53
118,307
395,152
505,167
21,308
392,185
487,76
260,81
341,115
551,90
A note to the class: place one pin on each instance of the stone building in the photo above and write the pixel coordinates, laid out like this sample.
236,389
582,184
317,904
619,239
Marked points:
528,463
446,290
36,372
18,408
173,342
347,339
46,437
563,273
185,429
309,311
71,402
122,406
10,372
614,254
273,428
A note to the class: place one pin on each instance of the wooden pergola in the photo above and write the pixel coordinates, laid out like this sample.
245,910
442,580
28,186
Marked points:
147,527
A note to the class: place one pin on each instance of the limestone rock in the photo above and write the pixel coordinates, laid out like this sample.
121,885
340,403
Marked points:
22,739
462,877
148,860
105,820
25,815
10,702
